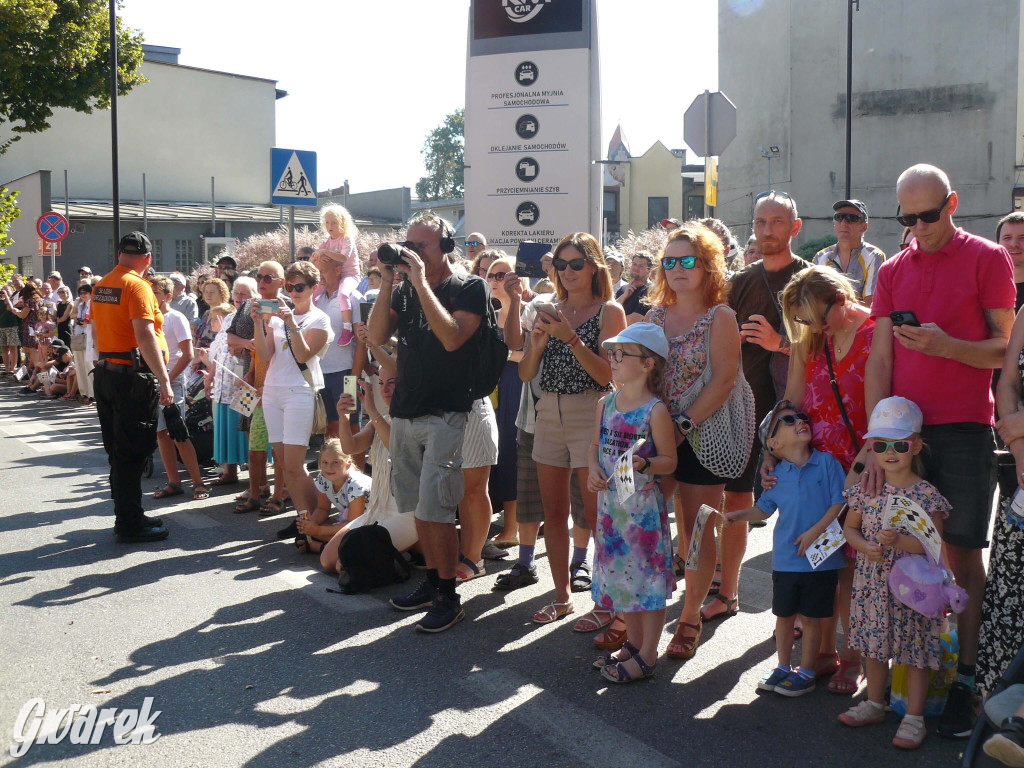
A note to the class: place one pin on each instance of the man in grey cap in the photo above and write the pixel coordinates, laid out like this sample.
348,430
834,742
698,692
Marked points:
615,265
856,259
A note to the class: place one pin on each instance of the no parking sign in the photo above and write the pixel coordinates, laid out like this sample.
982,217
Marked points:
52,227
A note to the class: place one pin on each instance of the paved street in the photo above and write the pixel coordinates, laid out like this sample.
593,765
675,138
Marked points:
250,661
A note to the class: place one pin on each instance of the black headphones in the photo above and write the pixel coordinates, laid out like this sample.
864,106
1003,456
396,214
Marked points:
447,242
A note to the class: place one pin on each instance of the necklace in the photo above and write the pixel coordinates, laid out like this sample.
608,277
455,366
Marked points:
847,338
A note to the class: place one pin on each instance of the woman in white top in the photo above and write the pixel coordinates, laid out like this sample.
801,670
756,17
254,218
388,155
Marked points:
289,338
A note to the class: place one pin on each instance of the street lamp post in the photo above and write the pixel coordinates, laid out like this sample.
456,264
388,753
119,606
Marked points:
768,153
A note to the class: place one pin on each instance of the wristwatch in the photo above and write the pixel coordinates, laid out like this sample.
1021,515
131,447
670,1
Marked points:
685,424
647,464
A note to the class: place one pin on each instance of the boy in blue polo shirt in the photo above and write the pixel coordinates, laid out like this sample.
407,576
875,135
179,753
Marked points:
808,495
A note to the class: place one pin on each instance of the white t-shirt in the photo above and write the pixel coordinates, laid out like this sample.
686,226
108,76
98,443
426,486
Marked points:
337,358
283,370
356,485
176,330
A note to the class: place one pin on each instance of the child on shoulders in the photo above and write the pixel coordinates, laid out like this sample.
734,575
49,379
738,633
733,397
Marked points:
808,496
340,246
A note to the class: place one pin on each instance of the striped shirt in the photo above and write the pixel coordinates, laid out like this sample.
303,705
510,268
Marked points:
863,269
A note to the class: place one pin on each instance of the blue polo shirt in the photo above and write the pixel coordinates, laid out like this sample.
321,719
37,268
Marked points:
802,496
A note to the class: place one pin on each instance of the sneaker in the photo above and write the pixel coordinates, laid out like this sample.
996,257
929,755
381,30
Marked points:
444,613
911,733
795,684
772,679
345,337
1007,746
422,598
961,712
491,552
865,713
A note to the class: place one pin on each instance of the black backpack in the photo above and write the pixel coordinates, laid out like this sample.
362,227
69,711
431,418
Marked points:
491,352
370,560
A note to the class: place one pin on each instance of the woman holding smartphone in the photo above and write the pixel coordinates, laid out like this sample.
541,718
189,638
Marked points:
566,339
293,340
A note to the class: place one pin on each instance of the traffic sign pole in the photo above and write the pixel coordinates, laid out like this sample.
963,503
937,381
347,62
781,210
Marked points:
291,233
707,150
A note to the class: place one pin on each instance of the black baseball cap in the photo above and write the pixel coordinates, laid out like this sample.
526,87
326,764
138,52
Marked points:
852,204
227,261
135,244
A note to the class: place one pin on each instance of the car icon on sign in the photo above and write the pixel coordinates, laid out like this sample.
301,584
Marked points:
526,215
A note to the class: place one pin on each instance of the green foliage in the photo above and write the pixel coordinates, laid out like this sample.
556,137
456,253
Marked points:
443,156
9,211
811,247
56,53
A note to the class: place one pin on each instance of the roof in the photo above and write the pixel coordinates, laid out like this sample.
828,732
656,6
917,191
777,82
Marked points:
93,209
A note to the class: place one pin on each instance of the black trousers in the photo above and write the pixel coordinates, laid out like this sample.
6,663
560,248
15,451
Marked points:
127,405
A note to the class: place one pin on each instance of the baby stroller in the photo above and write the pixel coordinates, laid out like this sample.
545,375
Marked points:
1000,705
199,420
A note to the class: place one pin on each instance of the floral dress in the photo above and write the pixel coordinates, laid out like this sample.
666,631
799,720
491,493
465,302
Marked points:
29,323
881,627
828,430
633,562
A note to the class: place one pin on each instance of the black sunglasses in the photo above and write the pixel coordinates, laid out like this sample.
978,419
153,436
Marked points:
928,217
297,287
849,218
688,262
881,446
789,419
576,264
497,276
266,278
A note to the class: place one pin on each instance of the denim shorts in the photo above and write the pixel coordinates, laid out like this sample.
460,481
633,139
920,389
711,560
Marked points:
960,461
426,465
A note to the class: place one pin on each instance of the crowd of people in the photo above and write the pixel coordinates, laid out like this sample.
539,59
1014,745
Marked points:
710,385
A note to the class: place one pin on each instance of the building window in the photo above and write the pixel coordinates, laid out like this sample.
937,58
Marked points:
158,255
184,256
25,265
657,209
611,213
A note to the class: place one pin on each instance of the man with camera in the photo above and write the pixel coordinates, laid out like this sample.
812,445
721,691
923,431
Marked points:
130,380
435,314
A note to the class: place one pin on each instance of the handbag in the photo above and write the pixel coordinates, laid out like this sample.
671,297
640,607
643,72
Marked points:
79,342
722,442
319,410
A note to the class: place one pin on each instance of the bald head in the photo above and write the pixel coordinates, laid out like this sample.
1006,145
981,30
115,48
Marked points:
925,176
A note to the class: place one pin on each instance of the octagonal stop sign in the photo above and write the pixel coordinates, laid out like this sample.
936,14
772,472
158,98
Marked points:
720,119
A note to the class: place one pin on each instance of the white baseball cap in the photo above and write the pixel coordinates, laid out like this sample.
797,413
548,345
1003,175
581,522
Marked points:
894,418
645,334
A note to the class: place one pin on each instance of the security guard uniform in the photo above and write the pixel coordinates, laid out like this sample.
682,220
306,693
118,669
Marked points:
127,393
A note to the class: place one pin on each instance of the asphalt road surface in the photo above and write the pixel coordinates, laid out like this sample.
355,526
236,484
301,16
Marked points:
251,662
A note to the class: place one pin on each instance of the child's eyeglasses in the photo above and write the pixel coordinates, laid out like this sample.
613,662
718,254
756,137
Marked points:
617,355
576,264
789,419
687,262
881,446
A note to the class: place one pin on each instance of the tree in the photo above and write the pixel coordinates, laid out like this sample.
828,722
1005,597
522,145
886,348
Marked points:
56,53
9,211
443,156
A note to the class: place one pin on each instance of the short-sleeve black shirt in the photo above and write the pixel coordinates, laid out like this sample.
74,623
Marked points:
430,378
749,296
633,305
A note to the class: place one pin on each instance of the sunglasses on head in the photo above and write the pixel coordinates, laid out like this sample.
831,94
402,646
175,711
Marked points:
576,264
296,287
789,419
261,278
881,446
497,276
849,218
928,217
687,262
617,355
473,243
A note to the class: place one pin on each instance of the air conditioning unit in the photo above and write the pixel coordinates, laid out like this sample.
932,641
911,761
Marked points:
215,247
77,227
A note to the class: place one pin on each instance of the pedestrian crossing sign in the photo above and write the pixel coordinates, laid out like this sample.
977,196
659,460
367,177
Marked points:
293,176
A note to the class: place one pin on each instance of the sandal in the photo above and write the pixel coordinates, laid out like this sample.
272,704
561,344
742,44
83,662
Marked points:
553,612
579,576
619,673
608,657
732,607
471,571
613,637
826,664
305,545
688,644
841,683
167,491
716,581
246,506
200,492
226,480
271,508
592,621
518,576
678,565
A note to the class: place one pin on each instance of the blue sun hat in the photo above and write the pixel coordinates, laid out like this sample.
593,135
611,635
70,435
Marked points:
646,335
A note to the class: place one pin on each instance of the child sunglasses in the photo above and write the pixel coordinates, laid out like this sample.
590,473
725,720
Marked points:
899,446
789,419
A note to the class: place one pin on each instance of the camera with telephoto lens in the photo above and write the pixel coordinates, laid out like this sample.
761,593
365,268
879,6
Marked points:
391,253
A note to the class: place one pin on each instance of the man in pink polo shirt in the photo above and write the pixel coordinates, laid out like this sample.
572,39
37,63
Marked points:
960,287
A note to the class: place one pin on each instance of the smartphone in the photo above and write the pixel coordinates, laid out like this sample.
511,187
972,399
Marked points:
904,317
350,388
528,257
547,307
365,307
268,306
